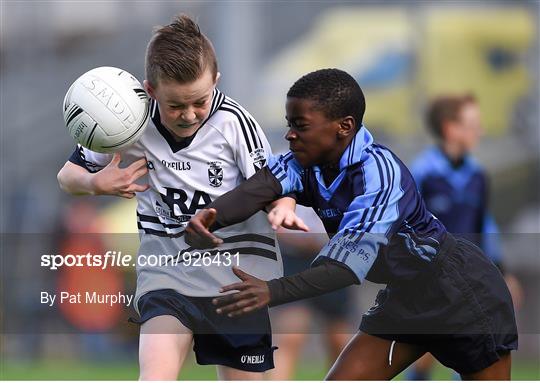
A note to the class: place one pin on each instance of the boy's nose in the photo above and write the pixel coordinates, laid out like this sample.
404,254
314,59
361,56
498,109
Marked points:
188,116
290,135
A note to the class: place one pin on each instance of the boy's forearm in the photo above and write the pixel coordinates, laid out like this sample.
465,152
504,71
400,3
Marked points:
75,180
246,199
318,280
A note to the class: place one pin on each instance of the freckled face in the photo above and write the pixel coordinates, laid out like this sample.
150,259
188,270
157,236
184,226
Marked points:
184,107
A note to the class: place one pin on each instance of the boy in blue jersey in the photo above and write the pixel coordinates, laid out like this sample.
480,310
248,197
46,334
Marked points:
380,231
452,182
454,185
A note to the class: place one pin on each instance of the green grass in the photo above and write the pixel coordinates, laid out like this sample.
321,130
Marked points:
66,370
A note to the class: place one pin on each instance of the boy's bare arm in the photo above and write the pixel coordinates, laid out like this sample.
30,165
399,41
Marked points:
74,179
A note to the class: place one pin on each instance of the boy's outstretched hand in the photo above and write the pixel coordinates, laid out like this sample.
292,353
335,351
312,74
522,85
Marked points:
253,294
197,234
282,214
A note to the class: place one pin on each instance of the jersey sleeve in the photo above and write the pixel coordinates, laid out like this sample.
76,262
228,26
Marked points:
287,171
318,280
91,161
250,146
369,222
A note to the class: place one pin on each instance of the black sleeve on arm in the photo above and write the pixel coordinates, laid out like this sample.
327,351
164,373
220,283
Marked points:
246,199
324,278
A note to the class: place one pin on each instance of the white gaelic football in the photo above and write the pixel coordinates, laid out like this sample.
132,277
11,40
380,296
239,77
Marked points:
106,109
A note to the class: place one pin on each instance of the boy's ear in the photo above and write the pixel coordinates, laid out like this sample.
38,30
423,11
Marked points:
218,75
347,127
149,89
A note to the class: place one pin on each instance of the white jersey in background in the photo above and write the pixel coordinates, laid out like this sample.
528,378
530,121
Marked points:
186,176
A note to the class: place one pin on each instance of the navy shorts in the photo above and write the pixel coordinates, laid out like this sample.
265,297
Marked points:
460,310
244,342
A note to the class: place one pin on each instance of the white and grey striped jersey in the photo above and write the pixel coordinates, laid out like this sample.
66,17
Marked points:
186,176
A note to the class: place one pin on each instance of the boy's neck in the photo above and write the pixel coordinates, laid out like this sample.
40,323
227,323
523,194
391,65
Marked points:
330,173
330,169
454,153
178,138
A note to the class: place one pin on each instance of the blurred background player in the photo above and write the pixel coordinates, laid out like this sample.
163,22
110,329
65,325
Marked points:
455,187
294,323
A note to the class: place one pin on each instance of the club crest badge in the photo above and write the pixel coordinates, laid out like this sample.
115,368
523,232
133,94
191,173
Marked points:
215,173
259,160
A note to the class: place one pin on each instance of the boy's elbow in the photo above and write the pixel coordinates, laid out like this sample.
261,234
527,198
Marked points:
63,179
74,179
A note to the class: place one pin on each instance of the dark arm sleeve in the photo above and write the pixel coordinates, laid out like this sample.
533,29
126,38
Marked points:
246,199
318,280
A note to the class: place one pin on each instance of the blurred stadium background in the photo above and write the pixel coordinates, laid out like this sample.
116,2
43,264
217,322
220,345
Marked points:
401,53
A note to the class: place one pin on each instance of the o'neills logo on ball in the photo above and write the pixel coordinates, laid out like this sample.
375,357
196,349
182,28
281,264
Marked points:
252,359
110,99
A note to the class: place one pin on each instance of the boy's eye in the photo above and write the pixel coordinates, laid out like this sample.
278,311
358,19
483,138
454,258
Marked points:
296,126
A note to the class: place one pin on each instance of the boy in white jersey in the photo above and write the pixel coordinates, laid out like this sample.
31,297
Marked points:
199,145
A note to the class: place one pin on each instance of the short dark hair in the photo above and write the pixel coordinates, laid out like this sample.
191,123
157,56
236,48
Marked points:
179,51
446,108
335,92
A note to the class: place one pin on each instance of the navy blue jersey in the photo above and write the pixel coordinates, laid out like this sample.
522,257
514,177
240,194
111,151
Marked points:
458,196
377,221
